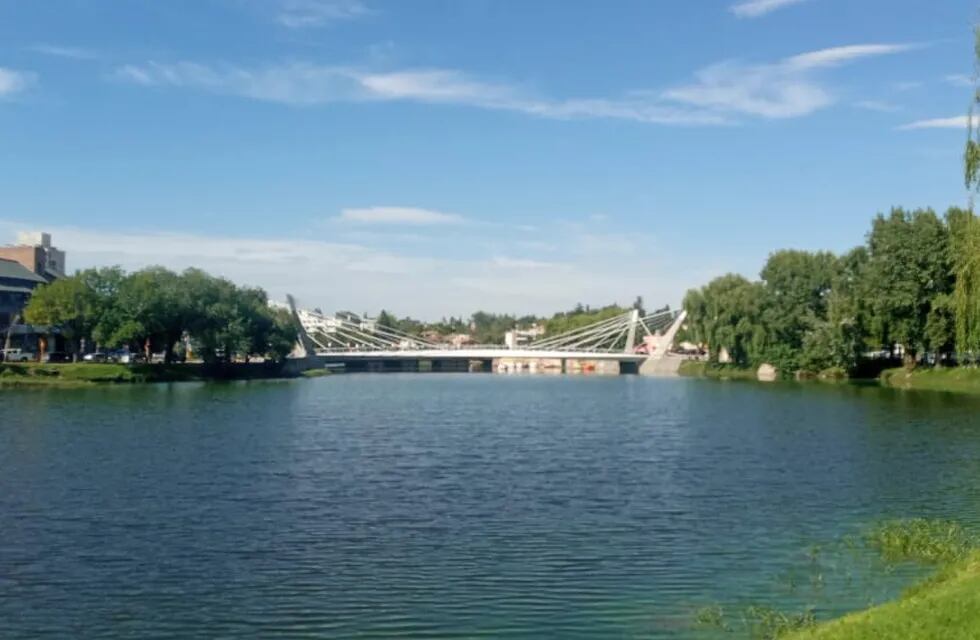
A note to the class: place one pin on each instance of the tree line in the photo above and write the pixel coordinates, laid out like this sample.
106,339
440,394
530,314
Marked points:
157,310
911,290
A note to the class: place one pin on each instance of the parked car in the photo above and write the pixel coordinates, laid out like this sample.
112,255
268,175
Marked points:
55,356
18,355
98,356
128,357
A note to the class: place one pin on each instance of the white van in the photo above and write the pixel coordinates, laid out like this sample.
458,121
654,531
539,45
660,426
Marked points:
17,355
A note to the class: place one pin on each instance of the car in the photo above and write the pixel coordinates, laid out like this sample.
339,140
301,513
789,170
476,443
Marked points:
55,356
98,356
18,355
129,357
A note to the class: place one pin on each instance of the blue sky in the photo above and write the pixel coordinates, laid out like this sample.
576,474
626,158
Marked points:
438,157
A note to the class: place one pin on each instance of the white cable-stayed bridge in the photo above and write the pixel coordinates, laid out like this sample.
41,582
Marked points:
630,342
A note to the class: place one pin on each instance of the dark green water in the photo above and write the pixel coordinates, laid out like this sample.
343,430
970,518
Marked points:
458,506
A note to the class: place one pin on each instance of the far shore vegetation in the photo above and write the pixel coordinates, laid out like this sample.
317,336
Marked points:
156,310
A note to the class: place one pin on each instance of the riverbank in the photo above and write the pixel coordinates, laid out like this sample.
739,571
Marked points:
705,369
948,379
87,374
952,379
946,607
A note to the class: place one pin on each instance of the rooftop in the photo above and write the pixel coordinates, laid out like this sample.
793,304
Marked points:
14,269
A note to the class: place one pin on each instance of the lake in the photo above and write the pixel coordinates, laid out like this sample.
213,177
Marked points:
460,505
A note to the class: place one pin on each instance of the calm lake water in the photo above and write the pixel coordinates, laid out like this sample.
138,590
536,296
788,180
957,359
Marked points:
459,505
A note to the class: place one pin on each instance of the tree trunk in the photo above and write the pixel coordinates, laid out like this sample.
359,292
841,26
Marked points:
909,360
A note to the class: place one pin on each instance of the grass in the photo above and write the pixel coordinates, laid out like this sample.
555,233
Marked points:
955,379
81,374
66,375
946,607
703,369
315,373
758,621
921,540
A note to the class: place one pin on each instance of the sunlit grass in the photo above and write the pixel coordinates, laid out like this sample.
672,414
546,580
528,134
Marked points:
921,540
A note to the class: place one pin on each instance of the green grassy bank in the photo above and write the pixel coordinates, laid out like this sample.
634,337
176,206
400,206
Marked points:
84,374
704,369
951,379
946,607
955,379
87,374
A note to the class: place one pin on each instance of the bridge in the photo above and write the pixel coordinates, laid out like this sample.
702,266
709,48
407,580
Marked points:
630,342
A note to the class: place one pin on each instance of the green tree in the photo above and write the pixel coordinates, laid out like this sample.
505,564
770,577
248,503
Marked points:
908,267
726,314
68,304
797,287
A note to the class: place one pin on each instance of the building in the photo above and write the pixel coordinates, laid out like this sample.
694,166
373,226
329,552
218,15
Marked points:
24,266
34,251
16,284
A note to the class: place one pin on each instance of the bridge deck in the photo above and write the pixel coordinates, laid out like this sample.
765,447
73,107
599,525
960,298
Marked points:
481,354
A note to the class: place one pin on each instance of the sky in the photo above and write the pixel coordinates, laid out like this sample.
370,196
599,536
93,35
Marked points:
438,157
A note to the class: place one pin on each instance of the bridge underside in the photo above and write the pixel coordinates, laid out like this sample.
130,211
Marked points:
502,362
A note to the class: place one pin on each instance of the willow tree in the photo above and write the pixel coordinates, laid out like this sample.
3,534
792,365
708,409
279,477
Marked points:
966,234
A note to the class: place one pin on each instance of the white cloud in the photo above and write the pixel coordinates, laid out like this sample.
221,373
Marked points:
427,281
877,105
306,85
398,216
956,122
908,85
506,262
12,81
721,93
959,80
301,14
784,89
836,56
74,53
756,8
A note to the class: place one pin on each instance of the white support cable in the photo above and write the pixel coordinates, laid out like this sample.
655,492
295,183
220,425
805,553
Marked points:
599,338
581,330
578,333
599,335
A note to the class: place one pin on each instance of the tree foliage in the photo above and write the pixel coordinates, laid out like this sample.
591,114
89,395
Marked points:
155,309
814,311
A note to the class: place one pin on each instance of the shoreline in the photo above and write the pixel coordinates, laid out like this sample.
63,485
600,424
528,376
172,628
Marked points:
79,374
960,380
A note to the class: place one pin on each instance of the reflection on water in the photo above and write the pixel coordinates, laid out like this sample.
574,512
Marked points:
458,505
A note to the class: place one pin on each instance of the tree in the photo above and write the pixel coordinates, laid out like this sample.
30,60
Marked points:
797,291
67,303
727,314
908,266
151,311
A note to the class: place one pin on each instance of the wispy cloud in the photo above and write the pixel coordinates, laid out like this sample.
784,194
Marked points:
720,94
959,80
877,105
398,216
907,85
756,8
783,89
306,84
955,122
12,81
302,14
73,53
